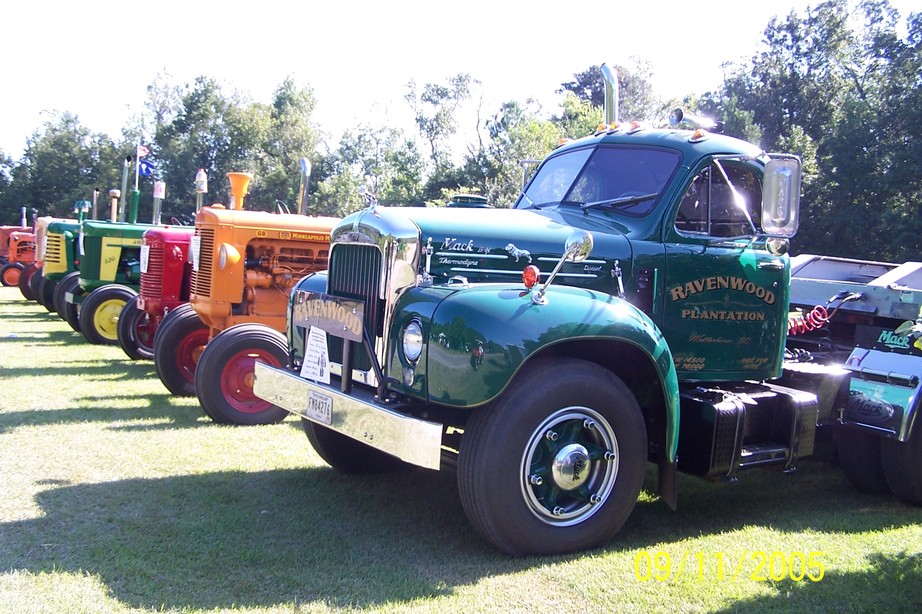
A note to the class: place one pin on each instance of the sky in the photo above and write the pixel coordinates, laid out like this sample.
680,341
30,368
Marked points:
95,59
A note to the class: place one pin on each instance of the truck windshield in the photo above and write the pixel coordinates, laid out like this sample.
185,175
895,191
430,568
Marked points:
626,179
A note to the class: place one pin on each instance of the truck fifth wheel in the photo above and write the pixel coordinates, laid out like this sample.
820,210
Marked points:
631,307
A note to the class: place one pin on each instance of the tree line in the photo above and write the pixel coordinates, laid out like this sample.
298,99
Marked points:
839,85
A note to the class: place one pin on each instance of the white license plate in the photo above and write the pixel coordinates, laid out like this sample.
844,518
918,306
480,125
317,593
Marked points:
69,297
320,407
145,257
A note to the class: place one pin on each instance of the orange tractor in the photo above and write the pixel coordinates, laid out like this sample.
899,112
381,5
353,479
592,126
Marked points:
20,252
245,264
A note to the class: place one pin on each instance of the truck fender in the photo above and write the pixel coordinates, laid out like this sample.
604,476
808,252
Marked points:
479,338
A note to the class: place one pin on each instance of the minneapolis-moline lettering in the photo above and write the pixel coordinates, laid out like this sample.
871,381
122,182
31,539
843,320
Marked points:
310,236
720,282
730,316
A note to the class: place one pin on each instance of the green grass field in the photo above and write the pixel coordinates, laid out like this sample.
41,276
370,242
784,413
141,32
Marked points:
117,497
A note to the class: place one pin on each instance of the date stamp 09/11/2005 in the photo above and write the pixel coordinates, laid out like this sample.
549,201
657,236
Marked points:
756,565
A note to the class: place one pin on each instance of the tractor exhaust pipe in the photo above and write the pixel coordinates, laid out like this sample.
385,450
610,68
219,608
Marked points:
305,184
612,93
240,185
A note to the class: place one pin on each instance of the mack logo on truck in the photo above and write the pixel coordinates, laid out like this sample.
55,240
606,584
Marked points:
719,282
892,340
452,244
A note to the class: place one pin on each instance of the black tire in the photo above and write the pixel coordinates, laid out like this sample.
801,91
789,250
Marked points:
135,330
347,455
860,456
100,310
10,273
69,312
178,344
44,291
224,374
25,281
556,464
903,465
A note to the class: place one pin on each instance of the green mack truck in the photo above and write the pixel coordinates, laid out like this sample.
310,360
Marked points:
631,307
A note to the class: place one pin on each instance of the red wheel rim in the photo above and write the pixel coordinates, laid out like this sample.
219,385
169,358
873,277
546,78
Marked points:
237,380
145,329
188,352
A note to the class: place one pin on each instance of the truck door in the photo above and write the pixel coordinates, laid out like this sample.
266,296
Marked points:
725,296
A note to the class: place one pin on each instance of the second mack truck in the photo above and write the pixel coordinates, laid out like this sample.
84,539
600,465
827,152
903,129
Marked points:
632,307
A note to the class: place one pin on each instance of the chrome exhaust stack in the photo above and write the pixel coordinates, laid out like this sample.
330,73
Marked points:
612,93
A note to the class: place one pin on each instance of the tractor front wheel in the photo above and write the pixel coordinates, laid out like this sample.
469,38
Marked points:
136,332
100,310
43,288
225,372
178,344
25,281
69,312
9,274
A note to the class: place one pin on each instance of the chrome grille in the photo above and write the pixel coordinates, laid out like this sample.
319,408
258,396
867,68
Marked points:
201,279
355,272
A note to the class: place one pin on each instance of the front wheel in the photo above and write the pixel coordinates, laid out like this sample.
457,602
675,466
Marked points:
135,332
43,288
556,464
100,310
225,373
70,312
25,281
178,343
9,274
860,457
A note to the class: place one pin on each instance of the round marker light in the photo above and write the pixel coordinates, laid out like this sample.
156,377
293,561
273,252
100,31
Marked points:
228,255
531,276
413,341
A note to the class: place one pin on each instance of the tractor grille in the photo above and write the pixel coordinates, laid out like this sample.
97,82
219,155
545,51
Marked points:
90,262
201,279
41,232
55,252
355,272
152,280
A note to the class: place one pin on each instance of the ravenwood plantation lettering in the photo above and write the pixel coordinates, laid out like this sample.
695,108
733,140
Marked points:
719,282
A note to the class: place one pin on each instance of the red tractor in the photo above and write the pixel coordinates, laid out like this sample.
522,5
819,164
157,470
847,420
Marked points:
166,273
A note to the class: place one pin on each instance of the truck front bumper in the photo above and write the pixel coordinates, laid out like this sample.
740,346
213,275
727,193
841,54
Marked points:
357,415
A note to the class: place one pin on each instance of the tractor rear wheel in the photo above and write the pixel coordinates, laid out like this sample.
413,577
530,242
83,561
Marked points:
9,274
178,344
136,332
69,312
224,375
100,310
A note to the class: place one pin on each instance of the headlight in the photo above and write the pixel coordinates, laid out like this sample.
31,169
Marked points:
413,341
228,255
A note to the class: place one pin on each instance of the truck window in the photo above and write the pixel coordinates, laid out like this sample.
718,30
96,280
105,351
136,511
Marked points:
711,208
605,173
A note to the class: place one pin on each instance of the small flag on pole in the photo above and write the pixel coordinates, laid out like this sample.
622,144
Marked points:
146,168
143,151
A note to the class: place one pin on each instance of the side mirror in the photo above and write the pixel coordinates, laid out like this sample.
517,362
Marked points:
781,197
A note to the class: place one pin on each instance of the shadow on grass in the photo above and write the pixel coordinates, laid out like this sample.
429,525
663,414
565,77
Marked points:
315,536
898,578
143,406
121,368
